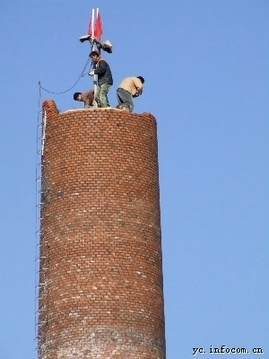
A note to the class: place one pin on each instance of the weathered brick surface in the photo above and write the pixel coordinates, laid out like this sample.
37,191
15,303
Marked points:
101,293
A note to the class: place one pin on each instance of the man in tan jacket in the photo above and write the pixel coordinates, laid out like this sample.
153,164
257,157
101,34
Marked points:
129,88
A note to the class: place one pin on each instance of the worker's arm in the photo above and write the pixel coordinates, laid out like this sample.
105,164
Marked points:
138,86
101,68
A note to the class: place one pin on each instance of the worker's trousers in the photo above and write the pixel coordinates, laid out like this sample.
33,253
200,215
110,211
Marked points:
101,95
124,97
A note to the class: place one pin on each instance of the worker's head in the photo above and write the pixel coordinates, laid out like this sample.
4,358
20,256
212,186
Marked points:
77,96
141,79
94,55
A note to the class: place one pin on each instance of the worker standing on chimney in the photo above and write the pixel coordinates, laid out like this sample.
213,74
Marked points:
105,80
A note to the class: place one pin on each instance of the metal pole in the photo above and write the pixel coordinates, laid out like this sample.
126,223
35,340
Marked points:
95,77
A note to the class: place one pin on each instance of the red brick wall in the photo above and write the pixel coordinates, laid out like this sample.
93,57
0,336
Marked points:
101,292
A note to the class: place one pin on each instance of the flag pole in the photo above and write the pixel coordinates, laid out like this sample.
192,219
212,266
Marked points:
95,77
95,31
92,23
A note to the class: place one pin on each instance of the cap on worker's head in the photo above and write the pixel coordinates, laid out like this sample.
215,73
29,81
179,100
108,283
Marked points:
94,53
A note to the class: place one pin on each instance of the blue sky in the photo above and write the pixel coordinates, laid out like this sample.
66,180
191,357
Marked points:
205,63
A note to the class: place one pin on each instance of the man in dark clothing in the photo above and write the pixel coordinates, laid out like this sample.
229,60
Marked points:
105,80
87,97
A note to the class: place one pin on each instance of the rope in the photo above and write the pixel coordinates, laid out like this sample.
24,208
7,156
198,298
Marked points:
62,92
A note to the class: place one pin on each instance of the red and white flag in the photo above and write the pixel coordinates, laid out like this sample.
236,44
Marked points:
98,31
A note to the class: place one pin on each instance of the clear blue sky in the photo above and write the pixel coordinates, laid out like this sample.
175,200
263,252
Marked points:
206,68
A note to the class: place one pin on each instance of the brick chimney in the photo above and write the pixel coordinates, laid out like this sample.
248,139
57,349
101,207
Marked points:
101,283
